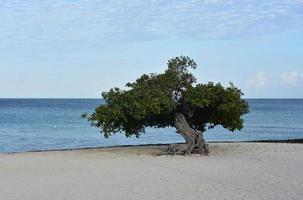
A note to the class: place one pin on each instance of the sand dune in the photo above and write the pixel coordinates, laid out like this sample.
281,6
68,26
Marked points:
231,171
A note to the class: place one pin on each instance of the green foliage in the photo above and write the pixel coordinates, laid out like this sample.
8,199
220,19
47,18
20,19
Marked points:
154,99
212,104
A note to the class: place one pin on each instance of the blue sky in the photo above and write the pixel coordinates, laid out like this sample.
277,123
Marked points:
79,48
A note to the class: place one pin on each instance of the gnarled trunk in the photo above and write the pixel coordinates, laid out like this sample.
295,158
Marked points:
194,139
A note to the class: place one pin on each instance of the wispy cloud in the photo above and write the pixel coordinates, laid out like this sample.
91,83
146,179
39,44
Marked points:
258,80
62,22
292,78
289,79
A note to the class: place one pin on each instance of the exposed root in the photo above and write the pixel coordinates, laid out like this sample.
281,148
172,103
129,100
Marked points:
173,149
202,150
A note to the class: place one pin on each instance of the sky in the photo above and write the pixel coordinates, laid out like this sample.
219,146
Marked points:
79,48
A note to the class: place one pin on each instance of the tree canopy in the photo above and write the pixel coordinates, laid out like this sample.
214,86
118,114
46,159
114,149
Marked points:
153,100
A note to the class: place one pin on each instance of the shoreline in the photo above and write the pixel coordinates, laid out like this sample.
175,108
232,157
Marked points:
290,141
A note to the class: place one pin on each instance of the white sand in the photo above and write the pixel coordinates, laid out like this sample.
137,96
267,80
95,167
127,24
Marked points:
232,171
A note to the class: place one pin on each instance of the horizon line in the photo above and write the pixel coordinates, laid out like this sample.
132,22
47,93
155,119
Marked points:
1,98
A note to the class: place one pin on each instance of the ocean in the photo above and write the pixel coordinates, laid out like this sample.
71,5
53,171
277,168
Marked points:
49,124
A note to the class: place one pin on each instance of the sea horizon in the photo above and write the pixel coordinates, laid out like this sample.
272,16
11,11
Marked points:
248,98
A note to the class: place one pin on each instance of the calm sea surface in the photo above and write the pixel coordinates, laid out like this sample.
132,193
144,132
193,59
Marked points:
41,124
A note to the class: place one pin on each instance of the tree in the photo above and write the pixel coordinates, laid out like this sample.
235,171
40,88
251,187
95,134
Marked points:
171,99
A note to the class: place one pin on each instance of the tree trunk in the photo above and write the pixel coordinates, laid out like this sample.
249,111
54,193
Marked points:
194,139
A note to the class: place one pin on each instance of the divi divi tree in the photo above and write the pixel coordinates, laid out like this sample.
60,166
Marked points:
171,99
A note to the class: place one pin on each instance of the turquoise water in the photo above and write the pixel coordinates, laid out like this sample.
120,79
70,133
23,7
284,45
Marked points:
42,124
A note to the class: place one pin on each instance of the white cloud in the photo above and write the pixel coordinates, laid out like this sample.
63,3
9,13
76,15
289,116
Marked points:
292,78
258,80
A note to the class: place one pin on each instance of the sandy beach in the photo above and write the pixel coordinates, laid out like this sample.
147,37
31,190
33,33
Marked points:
231,171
